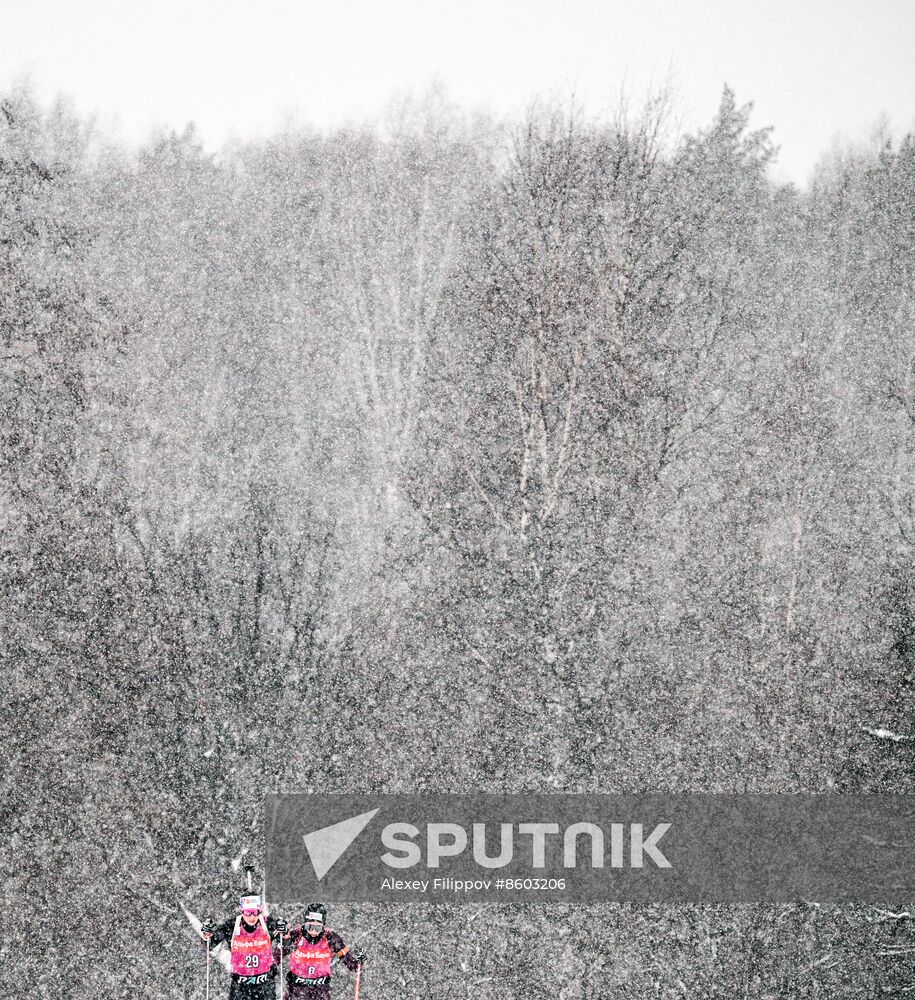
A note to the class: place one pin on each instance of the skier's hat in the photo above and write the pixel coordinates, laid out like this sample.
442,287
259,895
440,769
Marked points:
251,904
316,913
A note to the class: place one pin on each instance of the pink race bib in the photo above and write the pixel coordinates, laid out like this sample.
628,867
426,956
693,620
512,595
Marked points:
311,959
252,951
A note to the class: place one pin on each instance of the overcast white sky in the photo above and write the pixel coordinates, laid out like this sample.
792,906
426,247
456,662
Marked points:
814,68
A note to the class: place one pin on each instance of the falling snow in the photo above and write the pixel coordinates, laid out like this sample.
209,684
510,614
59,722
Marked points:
448,454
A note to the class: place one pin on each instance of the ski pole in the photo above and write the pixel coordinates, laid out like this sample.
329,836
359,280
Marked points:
282,927
358,979
207,929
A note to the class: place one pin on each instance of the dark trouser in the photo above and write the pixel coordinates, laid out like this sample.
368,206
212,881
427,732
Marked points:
246,988
298,989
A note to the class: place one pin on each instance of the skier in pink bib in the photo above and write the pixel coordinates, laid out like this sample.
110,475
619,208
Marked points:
252,938
313,950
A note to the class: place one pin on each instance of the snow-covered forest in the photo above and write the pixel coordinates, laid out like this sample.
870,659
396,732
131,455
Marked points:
447,454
